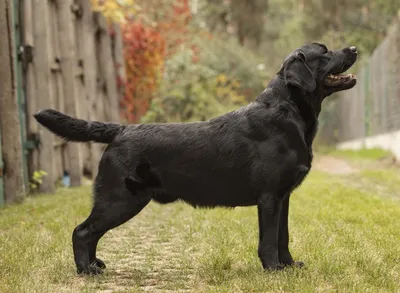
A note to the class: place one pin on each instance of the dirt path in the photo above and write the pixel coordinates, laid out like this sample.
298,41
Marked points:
333,165
364,176
144,256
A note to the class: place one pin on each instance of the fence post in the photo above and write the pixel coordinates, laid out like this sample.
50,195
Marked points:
14,187
19,86
367,100
68,66
29,76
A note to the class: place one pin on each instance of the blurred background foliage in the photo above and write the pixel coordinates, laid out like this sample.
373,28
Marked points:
189,60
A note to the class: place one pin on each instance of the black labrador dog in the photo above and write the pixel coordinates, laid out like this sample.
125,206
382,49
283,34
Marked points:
256,155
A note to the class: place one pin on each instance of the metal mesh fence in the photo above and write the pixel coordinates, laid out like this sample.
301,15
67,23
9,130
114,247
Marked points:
373,106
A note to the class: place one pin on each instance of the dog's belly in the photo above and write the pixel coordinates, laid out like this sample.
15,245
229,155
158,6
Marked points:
217,190
210,196
163,197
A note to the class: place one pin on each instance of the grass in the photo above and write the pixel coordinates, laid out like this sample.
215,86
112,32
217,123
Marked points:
347,236
378,172
388,177
362,154
384,182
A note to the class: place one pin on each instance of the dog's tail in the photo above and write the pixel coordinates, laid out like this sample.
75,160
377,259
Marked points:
72,129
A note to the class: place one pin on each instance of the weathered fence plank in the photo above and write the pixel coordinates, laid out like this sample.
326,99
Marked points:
44,90
69,61
58,87
118,56
83,109
29,75
90,74
12,173
107,69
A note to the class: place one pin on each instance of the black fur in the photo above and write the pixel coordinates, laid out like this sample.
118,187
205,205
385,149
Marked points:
77,129
255,155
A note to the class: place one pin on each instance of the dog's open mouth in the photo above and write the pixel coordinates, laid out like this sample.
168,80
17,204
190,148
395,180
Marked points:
333,80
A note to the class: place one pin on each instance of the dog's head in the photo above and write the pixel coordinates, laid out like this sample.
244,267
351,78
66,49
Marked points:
315,69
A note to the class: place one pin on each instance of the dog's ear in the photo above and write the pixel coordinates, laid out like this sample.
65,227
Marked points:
298,74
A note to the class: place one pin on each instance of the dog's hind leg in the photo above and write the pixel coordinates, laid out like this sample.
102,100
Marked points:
93,260
103,217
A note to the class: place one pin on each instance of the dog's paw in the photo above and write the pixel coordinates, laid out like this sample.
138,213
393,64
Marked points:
291,263
99,263
297,264
90,270
285,258
275,267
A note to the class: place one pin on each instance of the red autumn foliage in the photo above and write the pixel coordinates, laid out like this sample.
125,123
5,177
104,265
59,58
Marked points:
145,50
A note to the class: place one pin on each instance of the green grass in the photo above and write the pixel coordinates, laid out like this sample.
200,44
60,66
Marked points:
363,154
382,181
347,236
388,177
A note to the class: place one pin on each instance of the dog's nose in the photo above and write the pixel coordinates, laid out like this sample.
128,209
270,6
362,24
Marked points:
353,49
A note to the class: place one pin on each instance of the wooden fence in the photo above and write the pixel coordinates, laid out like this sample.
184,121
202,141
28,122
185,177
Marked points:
67,60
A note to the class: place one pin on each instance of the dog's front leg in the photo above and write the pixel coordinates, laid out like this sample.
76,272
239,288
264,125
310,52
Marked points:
283,239
285,257
269,207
